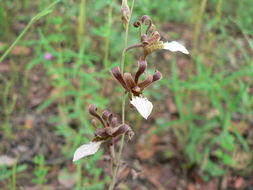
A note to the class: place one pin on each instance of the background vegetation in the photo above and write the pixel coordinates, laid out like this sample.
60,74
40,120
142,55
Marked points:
200,129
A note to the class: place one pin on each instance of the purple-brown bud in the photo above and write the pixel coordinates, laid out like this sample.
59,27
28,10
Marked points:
114,122
157,76
145,19
107,116
142,66
129,80
93,112
144,39
117,74
137,24
101,133
146,82
94,123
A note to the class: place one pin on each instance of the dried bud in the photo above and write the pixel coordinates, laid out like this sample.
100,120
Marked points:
125,13
130,134
117,74
124,128
114,122
146,82
129,80
101,133
137,24
94,123
107,116
145,19
157,76
93,112
144,39
142,65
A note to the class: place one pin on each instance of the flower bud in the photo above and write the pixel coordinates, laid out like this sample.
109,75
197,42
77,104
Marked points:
144,39
142,66
129,80
145,19
117,74
157,76
137,24
125,13
146,82
94,123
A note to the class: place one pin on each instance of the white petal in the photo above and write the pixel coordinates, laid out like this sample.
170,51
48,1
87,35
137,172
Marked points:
175,46
143,105
86,150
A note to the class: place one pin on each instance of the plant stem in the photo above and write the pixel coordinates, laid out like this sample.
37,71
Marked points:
107,37
107,43
81,23
122,64
198,21
46,11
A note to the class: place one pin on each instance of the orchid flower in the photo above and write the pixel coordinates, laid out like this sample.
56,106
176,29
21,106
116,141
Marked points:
150,39
111,129
135,88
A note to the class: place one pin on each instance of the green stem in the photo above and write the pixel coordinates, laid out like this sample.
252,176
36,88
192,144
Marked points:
107,43
107,38
122,64
28,26
81,23
198,19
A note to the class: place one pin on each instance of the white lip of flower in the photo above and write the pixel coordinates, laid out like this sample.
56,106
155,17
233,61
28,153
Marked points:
86,150
143,105
175,46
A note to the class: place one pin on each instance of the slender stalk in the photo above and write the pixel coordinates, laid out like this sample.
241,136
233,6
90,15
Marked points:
107,43
28,26
219,10
107,38
81,23
122,64
198,20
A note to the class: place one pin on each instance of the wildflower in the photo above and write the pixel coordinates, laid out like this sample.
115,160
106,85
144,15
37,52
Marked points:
48,56
111,129
135,88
